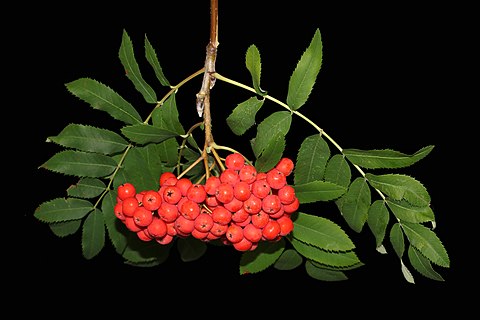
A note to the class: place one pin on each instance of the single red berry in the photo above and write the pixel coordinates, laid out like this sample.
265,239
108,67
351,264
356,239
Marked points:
253,204
168,212
126,190
151,200
252,233
285,165
199,234
277,214
229,176
271,230
212,202
271,204
241,191
248,173
189,209
234,233
234,161
286,225
261,188
184,226
240,215
157,228
204,222
128,206
261,176
276,178
286,194
218,230
245,222
224,193
172,194
211,185
221,215
260,219
142,217
197,193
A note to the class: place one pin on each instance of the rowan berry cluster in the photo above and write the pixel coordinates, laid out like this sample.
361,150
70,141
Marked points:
240,206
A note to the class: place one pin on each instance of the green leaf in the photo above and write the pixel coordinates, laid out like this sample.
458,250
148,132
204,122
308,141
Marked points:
88,138
166,116
132,71
377,220
272,154
101,97
65,228
93,234
338,171
277,123
264,256
389,159
63,209
288,260
81,164
87,188
354,204
167,151
312,158
143,167
320,232
242,117
397,240
427,242
334,259
406,212
144,133
151,56
191,249
318,191
305,74
400,187
254,65
422,264
116,229
324,274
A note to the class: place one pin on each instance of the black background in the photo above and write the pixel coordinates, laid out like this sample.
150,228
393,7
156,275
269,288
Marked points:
386,82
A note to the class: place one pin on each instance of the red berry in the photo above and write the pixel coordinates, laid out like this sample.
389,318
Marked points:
172,194
285,165
204,222
131,225
271,204
211,185
183,184
118,211
184,226
286,194
142,217
260,219
240,215
189,209
286,225
233,205
126,190
276,178
243,245
241,191
168,212
271,230
224,193
144,235
292,207
218,230
248,173
234,161
151,200
157,228
261,188
253,204
197,193
252,233
229,176
234,233
165,239
128,206
221,215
